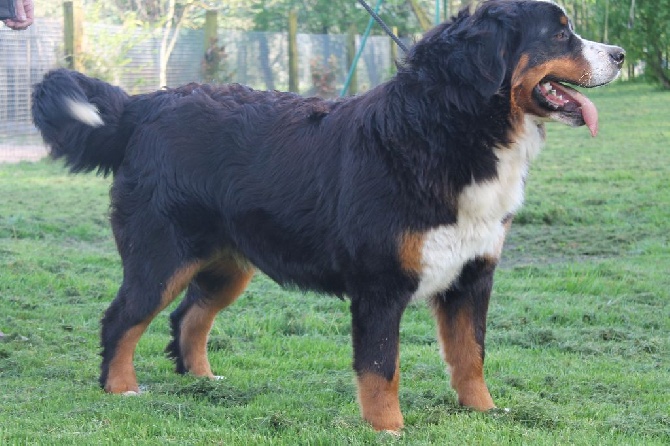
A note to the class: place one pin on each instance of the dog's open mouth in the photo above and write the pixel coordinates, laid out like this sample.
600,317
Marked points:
566,104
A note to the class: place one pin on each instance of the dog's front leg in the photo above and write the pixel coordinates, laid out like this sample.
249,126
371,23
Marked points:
461,325
375,332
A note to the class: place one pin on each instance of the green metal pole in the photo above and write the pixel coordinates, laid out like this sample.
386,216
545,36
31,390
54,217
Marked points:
437,12
360,50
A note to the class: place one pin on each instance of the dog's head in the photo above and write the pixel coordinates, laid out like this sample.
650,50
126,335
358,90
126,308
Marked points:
525,50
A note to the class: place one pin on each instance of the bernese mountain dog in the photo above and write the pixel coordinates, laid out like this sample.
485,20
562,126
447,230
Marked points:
402,193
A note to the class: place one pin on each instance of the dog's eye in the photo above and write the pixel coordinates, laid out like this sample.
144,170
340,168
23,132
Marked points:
562,35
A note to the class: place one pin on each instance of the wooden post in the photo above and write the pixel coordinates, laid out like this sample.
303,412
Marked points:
211,54
606,26
421,15
293,84
72,34
351,55
394,50
211,28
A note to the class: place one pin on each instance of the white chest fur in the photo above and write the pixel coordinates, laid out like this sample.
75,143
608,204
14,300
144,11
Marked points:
479,230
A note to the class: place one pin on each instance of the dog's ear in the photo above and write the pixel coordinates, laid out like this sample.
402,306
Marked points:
482,48
472,52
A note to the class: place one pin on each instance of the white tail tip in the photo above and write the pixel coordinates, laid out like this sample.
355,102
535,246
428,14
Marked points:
84,112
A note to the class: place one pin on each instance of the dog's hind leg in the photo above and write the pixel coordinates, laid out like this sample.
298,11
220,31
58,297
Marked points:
461,323
138,301
213,289
375,333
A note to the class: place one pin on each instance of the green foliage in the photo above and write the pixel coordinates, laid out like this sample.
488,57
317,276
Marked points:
577,342
318,16
151,13
648,38
643,30
107,56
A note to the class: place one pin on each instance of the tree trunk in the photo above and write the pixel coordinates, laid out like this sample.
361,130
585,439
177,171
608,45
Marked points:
169,40
586,26
655,62
421,15
606,25
163,55
266,68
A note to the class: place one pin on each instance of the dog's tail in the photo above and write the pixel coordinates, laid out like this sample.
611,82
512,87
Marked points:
78,117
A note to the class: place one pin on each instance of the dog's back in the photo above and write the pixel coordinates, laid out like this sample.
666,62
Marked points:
230,168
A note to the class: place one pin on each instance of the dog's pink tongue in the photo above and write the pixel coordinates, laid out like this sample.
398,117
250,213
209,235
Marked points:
589,111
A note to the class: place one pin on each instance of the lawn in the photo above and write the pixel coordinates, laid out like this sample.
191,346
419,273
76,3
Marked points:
578,346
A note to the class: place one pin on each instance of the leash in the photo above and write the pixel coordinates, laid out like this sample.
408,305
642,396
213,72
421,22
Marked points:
383,25
373,17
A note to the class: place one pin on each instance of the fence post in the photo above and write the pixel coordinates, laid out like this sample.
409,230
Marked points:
351,55
72,34
210,55
394,50
293,51
211,28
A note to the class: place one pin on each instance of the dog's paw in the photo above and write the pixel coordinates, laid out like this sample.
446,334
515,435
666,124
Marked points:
394,433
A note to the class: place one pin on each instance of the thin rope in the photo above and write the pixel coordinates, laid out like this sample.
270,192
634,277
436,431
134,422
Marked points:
383,25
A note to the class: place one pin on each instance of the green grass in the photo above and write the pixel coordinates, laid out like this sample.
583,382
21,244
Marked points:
579,327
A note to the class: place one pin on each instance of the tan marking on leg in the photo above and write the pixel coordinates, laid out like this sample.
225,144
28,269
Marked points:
177,283
194,334
121,375
464,356
411,245
378,400
198,321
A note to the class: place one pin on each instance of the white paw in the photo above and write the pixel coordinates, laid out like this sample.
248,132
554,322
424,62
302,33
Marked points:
396,434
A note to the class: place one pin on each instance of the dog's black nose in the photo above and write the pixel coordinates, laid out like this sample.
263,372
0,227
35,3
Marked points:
617,55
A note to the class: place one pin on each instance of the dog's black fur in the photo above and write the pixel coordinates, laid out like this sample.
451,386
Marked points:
211,182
